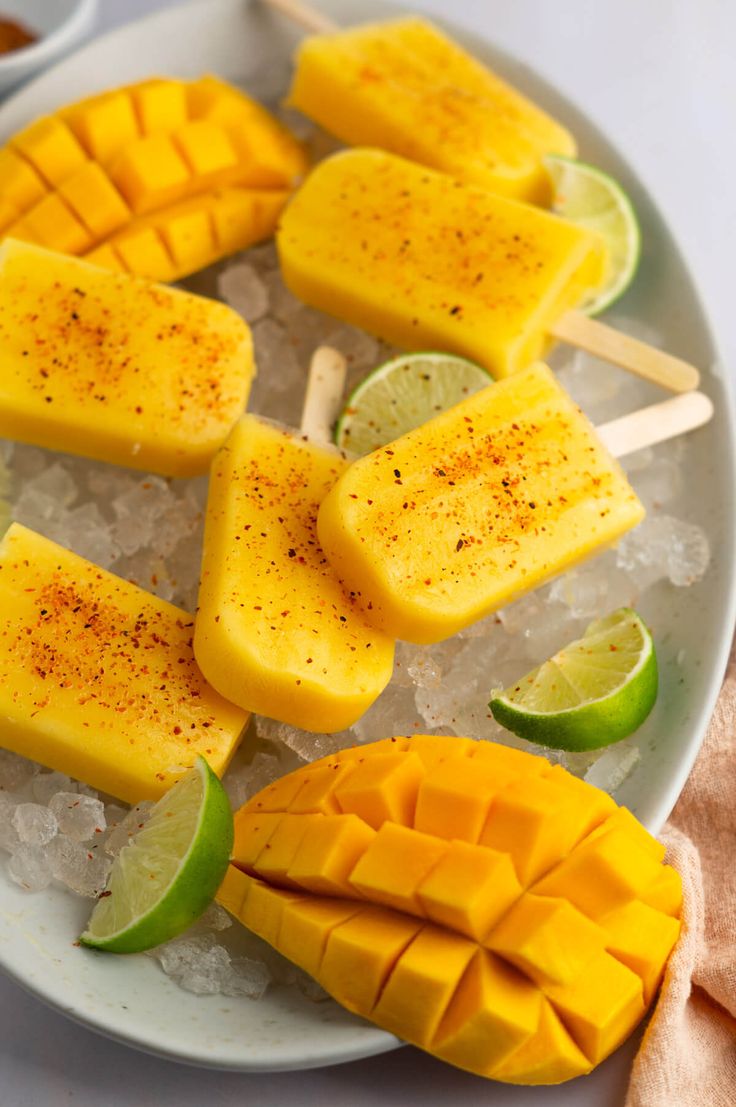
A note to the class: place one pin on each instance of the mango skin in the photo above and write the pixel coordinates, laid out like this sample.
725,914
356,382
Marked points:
521,938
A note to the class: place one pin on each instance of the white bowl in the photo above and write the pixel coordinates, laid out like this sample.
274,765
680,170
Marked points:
60,24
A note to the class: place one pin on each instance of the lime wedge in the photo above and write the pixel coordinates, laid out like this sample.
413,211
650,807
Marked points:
595,691
587,196
163,880
402,394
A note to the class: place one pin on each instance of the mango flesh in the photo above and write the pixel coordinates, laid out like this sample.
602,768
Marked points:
525,958
110,366
404,86
159,178
274,631
98,678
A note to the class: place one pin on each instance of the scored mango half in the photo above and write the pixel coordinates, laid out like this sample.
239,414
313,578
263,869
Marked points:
158,178
470,898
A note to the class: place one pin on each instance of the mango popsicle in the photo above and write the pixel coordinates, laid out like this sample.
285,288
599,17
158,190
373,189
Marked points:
97,677
404,86
274,630
427,262
475,508
112,367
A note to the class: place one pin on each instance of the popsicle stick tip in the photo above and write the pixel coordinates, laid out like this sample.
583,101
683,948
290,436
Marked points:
304,15
323,398
629,353
656,423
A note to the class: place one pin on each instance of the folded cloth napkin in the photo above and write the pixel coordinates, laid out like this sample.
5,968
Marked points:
688,1054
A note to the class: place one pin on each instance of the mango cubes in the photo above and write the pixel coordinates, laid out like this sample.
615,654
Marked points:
470,898
98,678
159,178
112,367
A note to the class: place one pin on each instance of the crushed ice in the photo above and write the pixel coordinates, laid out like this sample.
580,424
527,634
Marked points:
149,530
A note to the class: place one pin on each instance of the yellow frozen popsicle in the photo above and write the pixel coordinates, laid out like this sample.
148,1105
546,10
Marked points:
112,367
427,262
404,86
476,507
98,678
274,630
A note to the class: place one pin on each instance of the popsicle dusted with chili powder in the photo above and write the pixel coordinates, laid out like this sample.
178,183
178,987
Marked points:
98,678
116,368
431,263
275,631
405,86
475,508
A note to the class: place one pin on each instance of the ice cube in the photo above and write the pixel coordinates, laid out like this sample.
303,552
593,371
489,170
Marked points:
284,305
15,772
459,703
278,390
277,363
394,712
246,978
263,258
198,963
582,594
242,288
310,747
30,867
80,868
663,546
133,821
36,825
309,988
360,350
46,785
79,817
9,836
56,483
658,483
614,765
424,669
90,535
137,512
215,918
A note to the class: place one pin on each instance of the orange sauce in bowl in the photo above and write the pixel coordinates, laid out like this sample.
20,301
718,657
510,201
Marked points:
14,35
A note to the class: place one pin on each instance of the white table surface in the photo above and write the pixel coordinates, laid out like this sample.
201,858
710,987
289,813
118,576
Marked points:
658,78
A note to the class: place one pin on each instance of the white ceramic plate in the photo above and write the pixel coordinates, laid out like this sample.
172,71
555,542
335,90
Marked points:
129,998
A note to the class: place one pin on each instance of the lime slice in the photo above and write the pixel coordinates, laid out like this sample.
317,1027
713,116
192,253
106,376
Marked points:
587,196
163,880
595,691
402,394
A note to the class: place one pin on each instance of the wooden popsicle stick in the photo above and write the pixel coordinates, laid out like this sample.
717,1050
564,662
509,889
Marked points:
630,353
656,423
304,15
323,399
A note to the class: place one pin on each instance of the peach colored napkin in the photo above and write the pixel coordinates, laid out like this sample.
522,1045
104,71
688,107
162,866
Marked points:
688,1054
